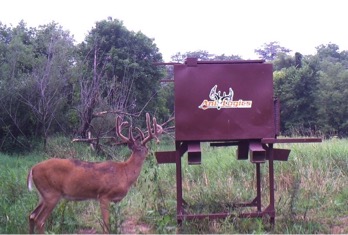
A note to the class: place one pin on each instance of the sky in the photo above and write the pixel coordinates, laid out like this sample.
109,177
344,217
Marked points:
227,27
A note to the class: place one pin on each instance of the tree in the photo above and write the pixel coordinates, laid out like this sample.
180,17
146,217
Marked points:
43,80
116,75
332,91
296,88
269,51
328,52
35,72
16,64
44,91
283,61
203,56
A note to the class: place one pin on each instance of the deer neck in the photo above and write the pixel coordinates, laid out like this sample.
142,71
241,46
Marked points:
133,167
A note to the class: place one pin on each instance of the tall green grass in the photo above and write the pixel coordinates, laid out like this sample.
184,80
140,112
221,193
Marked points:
15,201
311,192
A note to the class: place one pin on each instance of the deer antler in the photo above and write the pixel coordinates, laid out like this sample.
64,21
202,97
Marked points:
152,134
157,130
119,127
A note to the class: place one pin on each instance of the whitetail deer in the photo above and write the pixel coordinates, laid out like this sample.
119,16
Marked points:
78,180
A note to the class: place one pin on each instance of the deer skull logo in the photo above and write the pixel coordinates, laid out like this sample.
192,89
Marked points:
216,96
224,101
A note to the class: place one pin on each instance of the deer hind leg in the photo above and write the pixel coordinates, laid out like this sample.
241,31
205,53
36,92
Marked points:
33,217
104,207
38,217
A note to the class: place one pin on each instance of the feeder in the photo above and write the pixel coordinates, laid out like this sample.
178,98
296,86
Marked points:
227,103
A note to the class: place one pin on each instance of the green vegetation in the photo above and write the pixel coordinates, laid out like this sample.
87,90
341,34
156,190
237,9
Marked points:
311,192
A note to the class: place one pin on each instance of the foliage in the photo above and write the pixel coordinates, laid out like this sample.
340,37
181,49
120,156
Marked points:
333,90
165,105
269,51
202,55
117,72
49,86
312,90
34,83
297,91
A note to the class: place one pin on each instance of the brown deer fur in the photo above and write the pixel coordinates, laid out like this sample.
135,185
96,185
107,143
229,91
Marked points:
79,180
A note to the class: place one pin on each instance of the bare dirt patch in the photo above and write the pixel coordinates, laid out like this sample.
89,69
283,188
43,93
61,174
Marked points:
341,227
133,226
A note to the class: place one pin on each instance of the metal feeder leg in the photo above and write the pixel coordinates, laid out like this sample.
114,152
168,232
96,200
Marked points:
270,209
179,199
258,187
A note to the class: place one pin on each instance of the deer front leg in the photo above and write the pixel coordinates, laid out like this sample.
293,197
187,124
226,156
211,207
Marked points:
104,207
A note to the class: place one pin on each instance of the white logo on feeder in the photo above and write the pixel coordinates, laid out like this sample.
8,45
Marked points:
224,101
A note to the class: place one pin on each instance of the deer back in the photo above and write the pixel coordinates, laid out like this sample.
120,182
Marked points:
79,180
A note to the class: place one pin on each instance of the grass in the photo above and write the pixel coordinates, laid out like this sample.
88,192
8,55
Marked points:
15,199
311,192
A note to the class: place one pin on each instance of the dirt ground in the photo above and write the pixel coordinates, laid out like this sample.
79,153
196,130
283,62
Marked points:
129,226
342,228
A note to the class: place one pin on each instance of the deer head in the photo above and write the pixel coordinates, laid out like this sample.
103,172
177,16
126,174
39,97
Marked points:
78,180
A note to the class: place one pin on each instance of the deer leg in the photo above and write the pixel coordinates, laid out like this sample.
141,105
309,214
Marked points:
44,210
40,220
104,207
31,225
33,217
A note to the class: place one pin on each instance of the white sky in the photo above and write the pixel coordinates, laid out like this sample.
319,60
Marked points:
218,26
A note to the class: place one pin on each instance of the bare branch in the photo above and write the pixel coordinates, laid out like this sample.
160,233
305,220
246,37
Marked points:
91,140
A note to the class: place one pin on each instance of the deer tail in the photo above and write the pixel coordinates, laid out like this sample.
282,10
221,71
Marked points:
30,180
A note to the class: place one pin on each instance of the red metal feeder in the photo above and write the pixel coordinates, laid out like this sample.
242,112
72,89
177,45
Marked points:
227,103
